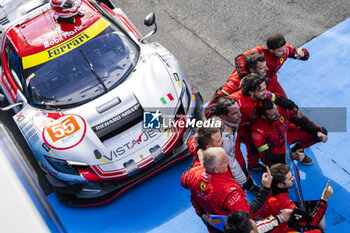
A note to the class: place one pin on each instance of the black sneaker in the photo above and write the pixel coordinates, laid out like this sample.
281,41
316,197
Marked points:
254,189
259,168
307,160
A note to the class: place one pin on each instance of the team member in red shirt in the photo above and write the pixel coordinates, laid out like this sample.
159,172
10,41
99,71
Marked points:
274,122
276,52
253,90
230,115
213,188
255,63
205,138
282,181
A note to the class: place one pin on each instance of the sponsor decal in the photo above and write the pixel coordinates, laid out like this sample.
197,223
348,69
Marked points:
20,117
130,145
203,186
116,118
63,37
41,120
75,181
281,60
53,115
48,169
63,129
65,132
66,46
257,136
234,199
201,195
169,96
281,119
206,176
139,139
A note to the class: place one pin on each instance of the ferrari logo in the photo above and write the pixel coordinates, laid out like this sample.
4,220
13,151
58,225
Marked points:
66,46
281,60
203,186
281,119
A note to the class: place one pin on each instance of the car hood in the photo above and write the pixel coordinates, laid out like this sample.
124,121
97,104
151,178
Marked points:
74,134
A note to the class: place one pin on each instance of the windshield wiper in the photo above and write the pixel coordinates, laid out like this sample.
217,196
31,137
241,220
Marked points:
94,71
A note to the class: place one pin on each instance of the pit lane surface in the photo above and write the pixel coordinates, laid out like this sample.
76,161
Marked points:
206,36
161,205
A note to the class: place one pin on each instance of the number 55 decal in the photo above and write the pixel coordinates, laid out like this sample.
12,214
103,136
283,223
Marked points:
56,134
64,129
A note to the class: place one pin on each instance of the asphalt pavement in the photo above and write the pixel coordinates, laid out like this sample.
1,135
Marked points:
207,35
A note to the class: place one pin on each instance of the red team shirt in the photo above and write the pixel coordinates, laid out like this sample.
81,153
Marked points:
281,201
216,193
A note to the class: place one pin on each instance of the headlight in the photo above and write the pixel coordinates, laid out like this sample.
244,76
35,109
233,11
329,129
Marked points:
61,166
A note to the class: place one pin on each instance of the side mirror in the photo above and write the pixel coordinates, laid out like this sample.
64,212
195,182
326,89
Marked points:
2,100
149,21
11,106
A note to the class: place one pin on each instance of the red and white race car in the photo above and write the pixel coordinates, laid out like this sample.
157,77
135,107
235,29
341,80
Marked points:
91,98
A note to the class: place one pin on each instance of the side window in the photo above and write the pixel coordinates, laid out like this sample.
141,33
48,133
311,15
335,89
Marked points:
14,64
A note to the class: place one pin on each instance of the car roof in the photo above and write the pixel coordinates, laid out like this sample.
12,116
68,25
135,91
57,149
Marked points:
43,31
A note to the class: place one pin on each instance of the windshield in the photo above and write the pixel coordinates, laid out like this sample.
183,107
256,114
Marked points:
84,73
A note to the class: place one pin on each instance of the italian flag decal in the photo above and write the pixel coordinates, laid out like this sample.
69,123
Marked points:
168,97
